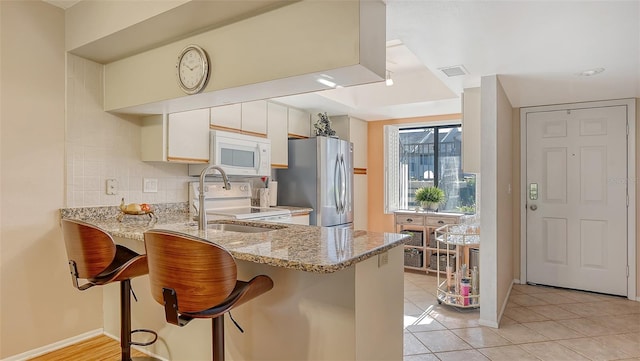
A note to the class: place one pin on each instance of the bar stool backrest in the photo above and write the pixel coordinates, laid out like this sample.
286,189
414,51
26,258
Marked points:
89,247
201,273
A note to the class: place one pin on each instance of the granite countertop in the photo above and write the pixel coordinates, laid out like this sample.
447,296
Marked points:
305,248
295,210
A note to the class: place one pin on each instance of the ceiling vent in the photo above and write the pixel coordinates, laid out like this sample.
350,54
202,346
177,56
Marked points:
455,70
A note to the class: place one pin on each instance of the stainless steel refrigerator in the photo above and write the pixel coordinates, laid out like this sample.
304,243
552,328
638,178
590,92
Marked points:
320,176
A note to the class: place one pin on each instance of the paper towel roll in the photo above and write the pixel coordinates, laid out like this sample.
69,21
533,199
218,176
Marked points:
264,197
273,193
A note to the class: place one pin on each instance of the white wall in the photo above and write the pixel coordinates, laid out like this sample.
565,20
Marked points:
101,146
38,305
496,256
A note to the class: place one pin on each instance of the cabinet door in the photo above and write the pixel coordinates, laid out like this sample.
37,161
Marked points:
358,136
188,136
299,123
304,219
254,117
227,116
277,132
360,204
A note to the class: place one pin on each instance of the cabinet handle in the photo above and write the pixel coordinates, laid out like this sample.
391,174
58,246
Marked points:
440,222
409,220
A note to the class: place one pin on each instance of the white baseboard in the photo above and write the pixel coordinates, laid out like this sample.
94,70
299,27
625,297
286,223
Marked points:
495,324
54,346
506,300
70,341
486,323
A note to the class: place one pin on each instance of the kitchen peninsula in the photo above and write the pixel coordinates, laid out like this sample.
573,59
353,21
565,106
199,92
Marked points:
338,293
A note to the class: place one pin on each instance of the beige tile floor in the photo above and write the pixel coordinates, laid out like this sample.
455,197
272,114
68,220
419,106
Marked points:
539,323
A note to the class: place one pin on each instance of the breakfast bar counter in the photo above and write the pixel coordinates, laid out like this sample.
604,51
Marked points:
338,293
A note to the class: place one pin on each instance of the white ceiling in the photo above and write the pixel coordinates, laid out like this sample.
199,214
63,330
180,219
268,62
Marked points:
537,47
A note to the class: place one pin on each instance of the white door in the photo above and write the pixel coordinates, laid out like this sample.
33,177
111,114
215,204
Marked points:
577,199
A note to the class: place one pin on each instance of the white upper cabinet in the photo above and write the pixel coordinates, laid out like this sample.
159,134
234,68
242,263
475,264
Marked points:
299,123
189,136
178,137
277,132
254,117
227,116
355,131
249,118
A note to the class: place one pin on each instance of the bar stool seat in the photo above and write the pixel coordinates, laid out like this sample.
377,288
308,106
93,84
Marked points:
94,257
193,278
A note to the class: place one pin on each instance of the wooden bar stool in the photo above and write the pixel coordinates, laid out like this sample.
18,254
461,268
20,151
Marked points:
94,257
193,278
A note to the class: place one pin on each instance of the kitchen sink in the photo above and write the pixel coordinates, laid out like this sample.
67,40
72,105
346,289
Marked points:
242,228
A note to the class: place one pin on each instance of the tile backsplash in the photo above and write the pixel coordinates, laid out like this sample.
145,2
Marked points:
100,146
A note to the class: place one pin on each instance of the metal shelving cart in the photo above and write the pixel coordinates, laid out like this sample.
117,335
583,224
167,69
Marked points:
460,286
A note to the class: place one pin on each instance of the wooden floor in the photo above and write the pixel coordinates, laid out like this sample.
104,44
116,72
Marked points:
99,348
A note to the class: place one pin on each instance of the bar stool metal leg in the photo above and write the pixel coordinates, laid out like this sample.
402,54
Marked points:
125,319
125,326
217,332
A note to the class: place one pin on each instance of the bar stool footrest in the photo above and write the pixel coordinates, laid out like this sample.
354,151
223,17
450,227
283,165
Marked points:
144,330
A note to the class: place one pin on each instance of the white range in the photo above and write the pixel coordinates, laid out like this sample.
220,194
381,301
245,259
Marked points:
234,203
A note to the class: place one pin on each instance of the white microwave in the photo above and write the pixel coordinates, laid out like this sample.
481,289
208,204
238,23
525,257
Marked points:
237,154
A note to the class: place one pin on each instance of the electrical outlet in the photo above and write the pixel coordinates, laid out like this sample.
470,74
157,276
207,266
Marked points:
150,185
383,258
112,186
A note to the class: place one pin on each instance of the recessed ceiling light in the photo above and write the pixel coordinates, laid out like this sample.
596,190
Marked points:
327,80
591,72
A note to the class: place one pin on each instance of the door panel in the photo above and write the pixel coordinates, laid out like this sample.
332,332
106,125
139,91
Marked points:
576,226
593,248
593,175
555,240
555,170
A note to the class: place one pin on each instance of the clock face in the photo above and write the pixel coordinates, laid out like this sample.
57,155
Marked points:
192,69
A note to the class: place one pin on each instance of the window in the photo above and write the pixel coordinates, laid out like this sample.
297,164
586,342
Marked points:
423,156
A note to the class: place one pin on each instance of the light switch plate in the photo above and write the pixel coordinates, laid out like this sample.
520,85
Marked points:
150,185
112,186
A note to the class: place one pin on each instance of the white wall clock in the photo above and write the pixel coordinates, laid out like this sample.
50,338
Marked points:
192,69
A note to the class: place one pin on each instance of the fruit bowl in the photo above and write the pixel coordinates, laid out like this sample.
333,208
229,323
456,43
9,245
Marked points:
135,209
139,213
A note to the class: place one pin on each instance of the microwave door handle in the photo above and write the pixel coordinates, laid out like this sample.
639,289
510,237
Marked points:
259,151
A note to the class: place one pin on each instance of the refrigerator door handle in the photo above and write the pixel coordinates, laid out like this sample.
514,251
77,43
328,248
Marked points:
336,184
343,187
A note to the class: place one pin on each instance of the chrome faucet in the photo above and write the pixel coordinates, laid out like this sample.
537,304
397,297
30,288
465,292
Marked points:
202,213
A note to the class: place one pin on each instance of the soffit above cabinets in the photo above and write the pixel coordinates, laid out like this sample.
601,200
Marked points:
269,55
177,23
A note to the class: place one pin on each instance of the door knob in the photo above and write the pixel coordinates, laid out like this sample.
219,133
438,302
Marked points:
533,207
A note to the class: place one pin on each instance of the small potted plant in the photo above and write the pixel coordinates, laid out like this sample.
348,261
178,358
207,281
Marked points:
430,197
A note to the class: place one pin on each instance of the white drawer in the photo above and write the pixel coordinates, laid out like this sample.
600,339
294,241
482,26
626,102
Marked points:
410,219
439,221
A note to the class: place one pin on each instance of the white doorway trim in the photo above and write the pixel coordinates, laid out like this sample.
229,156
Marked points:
631,184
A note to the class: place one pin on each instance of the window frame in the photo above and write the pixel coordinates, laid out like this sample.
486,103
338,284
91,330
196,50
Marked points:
392,159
